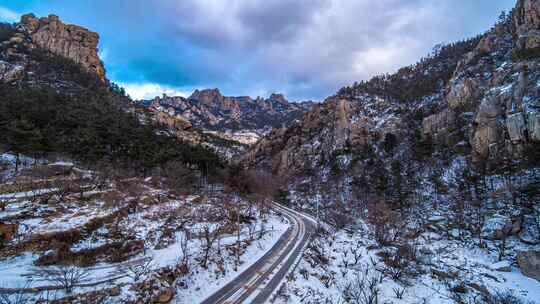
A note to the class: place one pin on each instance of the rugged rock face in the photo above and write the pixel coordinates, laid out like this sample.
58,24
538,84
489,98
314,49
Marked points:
488,106
210,110
331,128
527,23
227,125
440,125
495,93
70,41
19,59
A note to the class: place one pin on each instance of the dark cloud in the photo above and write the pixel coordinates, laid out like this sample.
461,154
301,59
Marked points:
306,48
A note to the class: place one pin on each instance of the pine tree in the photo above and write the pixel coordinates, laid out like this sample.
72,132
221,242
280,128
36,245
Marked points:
23,137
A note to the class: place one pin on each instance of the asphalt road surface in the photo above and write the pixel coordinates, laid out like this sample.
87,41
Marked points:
257,283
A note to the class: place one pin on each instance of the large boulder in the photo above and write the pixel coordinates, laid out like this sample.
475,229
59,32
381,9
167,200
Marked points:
341,123
483,138
497,227
515,124
488,112
173,121
7,232
165,296
439,125
463,94
487,129
502,266
529,263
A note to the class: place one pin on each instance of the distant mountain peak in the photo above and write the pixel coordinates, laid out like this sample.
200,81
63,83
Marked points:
197,94
209,110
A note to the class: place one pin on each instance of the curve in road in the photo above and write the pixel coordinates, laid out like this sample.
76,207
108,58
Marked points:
260,280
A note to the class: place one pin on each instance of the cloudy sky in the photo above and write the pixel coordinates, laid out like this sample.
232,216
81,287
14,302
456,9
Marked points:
306,49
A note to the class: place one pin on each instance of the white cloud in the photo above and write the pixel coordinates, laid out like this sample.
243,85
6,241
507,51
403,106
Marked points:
140,91
8,15
318,46
306,48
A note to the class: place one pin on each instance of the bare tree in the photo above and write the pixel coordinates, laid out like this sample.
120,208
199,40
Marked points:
138,270
184,246
262,230
209,237
178,177
251,229
19,296
65,276
357,253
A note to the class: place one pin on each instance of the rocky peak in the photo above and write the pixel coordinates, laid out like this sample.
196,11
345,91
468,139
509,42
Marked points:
209,110
279,98
71,41
207,96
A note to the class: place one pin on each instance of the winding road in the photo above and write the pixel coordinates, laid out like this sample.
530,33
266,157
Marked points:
258,283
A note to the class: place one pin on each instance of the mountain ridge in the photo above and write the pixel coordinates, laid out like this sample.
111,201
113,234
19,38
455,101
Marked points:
445,91
211,111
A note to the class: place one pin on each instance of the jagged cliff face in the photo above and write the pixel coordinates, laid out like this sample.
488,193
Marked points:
527,24
493,97
52,35
487,109
66,40
211,111
336,127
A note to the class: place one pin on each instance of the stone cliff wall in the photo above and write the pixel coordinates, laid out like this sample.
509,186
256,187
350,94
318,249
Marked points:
66,40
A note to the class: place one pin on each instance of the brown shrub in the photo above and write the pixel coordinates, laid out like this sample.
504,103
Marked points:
384,220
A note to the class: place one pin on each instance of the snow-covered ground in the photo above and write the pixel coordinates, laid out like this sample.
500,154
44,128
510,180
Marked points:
349,265
157,231
205,282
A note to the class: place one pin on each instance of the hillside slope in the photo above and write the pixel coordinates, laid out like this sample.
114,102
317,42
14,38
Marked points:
448,146
476,98
427,179
56,100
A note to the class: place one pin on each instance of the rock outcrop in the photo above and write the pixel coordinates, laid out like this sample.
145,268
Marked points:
527,24
487,107
336,126
439,125
497,227
66,40
493,97
529,263
173,121
10,72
